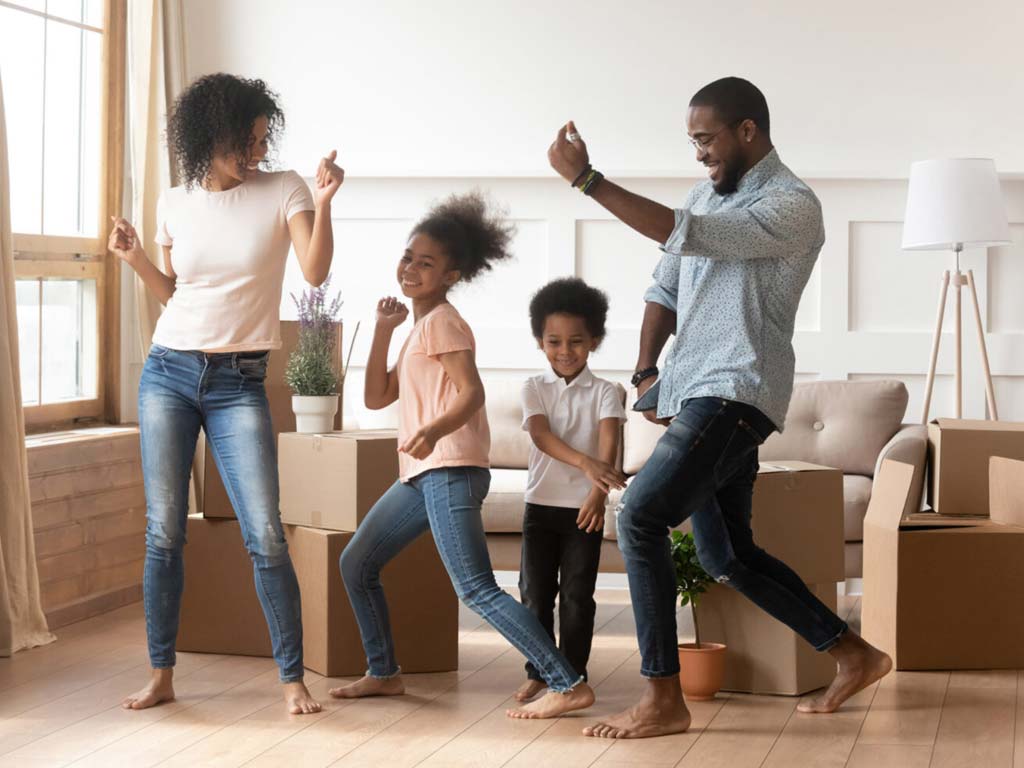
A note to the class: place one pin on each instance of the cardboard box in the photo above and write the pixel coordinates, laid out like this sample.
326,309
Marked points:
332,480
212,497
220,612
798,518
763,655
958,453
940,592
1006,490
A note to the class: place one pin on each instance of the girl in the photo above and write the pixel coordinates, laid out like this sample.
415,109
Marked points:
225,237
444,443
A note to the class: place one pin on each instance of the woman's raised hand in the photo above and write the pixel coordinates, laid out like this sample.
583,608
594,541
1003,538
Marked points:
329,177
124,241
391,313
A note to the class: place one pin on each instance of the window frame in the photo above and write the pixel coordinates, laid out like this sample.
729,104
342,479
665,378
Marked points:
50,256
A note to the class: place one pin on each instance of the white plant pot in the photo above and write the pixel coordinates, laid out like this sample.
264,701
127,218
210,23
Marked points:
314,414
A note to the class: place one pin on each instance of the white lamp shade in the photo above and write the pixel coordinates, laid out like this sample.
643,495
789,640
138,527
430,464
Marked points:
954,202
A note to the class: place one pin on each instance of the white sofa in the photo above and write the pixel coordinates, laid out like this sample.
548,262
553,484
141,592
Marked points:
850,425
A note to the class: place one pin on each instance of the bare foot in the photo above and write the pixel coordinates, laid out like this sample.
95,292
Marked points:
660,711
370,686
157,690
554,704
529,689
299,700
860,665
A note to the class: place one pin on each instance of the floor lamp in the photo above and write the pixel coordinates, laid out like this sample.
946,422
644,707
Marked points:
951,204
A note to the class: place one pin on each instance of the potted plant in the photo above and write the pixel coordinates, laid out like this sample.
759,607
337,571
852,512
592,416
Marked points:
310,372
701,665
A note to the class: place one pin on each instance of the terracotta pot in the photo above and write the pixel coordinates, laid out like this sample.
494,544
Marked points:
701,670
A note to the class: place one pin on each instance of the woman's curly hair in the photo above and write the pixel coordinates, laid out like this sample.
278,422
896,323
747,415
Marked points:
472,234
216,114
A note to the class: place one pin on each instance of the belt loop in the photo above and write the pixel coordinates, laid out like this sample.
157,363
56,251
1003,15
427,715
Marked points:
234,359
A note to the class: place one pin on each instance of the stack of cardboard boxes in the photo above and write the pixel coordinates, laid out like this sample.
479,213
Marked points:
328,483
941,587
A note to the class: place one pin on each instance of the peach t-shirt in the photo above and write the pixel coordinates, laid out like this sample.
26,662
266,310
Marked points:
228,250
425,392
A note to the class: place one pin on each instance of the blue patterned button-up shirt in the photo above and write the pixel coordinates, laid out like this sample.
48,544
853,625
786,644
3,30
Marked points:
733,271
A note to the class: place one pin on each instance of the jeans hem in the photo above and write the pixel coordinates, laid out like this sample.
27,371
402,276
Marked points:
391,676
832,642
567,689
650,675
292,678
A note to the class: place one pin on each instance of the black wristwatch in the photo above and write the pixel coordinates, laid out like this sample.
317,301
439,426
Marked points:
646,373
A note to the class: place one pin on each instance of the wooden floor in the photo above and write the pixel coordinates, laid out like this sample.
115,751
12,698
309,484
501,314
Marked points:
59,706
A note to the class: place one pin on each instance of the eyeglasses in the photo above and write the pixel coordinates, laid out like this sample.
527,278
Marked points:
706,141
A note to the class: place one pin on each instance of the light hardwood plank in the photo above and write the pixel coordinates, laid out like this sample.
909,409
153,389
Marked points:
166,737
821,741
742,733
976,728
890,756
906,709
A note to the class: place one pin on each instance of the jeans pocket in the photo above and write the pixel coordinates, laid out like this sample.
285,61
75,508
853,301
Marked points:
155,350
479,482
743,441
253,368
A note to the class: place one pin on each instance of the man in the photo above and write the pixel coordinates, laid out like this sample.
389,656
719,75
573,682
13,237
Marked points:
737,256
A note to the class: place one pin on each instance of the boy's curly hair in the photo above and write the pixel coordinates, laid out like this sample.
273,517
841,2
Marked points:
215,114
569,296
474,235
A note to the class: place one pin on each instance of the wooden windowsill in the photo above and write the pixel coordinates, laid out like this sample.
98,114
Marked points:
66,436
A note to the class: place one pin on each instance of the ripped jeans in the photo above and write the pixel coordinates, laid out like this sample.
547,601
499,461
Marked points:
704,468
181,391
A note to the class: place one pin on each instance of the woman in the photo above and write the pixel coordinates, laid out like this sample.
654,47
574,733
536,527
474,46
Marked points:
225,235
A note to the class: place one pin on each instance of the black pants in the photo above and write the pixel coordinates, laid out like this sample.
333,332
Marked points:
560,560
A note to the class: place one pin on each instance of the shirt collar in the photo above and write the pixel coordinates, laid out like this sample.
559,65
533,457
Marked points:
763,170
584,379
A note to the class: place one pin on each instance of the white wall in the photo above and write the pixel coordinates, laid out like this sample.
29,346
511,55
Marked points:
449,87
423,104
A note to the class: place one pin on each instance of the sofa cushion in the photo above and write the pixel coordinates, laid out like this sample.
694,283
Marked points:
638,438
510,445
504,506
856,495
842,424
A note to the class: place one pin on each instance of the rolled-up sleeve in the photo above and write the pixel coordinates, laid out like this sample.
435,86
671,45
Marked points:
665,288
776,226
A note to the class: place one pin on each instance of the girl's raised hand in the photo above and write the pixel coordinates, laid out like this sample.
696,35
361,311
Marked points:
391,313
329,178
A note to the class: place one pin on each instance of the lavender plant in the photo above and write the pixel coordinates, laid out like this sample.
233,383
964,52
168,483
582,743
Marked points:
309,371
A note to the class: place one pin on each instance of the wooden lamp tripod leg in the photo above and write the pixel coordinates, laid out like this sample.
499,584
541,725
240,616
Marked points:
943,289
989,390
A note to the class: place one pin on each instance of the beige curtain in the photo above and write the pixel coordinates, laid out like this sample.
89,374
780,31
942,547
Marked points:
22,623
156,74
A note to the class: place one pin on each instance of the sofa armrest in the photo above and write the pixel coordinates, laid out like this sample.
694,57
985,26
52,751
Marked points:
909,446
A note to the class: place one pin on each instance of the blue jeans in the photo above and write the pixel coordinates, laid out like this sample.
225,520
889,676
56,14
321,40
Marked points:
704,467
447,502
223,393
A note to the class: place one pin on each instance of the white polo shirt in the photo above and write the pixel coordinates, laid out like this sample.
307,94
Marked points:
574,412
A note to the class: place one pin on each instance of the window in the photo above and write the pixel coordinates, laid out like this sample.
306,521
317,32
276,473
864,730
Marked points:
62,71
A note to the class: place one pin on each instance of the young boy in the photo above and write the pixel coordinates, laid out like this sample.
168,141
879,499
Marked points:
573,418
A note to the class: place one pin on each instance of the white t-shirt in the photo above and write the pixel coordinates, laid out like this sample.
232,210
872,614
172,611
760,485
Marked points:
228,250
574,412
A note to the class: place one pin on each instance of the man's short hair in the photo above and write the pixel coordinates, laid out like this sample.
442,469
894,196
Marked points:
735,100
